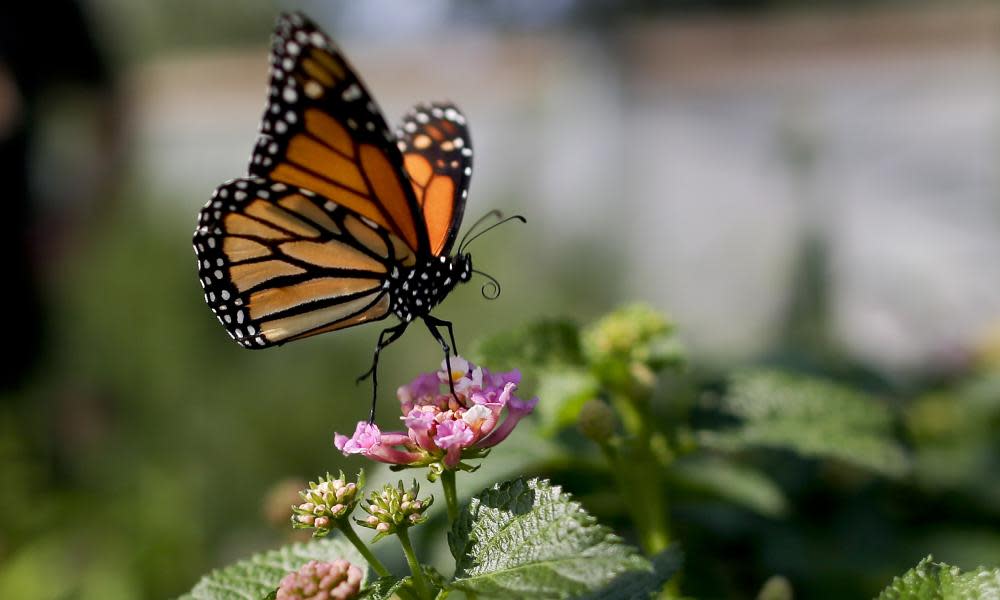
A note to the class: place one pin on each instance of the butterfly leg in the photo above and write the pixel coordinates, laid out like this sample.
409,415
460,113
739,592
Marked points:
393,333
432,326
447,325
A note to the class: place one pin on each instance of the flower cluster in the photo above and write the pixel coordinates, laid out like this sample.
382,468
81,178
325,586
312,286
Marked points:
337,580
325,501
394,508
443,428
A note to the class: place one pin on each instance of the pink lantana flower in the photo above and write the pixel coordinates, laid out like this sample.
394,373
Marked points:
444,428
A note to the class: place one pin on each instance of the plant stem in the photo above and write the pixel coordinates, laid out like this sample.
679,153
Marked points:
352,537
411,558
450,494
640,474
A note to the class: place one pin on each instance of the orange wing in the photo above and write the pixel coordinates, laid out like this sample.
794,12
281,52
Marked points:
322,131
437,153
280,263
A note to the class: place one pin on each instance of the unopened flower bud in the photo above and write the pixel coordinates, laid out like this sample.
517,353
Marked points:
394,508
323,506
337,580
597,421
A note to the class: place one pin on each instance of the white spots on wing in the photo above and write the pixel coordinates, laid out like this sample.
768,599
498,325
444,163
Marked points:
240,195
272,148
458,142
301,37
368,222
292,48
291,117
241,184
370,126
371,107
225,294
317,39
278,187
451,114
329,206
410,126
313,89
218,274
288,64
401,145
352,123
211,242
468,170
352,93
466,151
437,112
281,126
289,95
422,117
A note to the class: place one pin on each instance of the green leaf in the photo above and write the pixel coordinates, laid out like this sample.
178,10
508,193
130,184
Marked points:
644,584
528,539
931,580
731,482
814,417
382,588
546,343
563,391
259,575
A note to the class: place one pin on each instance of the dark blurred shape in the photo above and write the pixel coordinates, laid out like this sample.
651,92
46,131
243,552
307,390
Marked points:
43,46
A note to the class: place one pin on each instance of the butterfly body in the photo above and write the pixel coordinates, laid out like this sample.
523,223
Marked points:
418,289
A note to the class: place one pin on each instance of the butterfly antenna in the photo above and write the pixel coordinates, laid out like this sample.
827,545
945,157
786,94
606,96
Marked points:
496,214
461,247
490,289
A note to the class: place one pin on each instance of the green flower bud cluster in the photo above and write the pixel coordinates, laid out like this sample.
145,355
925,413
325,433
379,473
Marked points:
325,502
626,347
394,508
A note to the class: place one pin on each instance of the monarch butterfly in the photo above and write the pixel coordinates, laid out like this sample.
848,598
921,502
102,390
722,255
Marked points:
339,221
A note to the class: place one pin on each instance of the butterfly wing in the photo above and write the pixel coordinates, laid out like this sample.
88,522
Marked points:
437,154
279,263
322,131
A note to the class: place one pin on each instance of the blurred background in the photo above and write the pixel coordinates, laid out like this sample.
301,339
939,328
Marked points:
809,183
